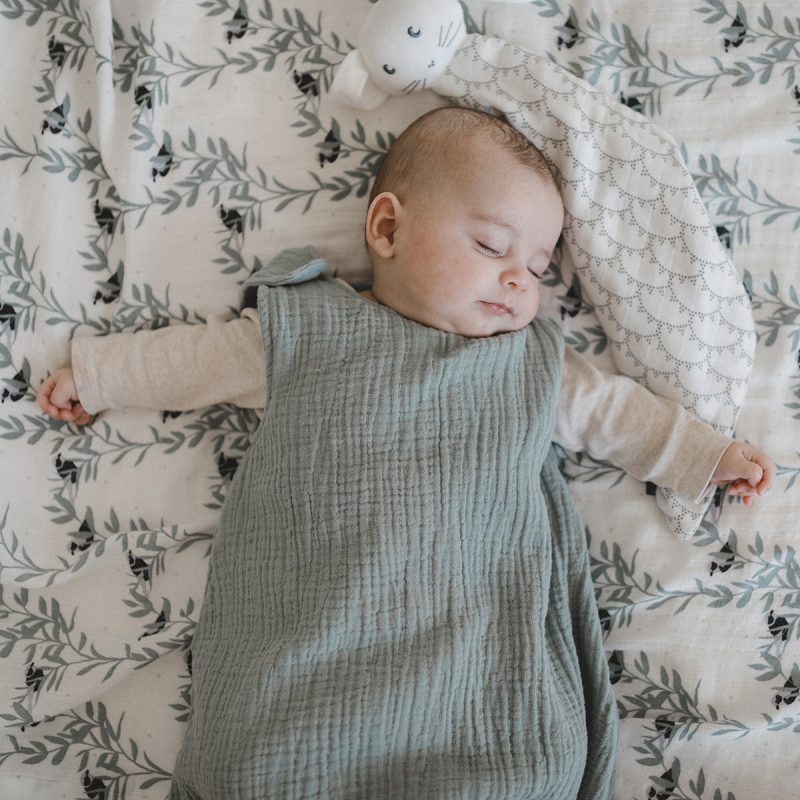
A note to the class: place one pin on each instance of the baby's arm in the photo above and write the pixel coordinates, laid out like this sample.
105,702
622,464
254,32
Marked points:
177,368
653,439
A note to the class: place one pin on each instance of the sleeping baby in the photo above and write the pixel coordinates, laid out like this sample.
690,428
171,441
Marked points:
399,602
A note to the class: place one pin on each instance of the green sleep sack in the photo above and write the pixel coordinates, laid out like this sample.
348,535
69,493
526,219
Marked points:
399,602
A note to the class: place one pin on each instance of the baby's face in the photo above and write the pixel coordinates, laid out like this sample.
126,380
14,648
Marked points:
468,255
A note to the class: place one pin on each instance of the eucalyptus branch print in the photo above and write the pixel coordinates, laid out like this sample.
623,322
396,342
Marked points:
779,47
623,63
734,204
793,473
109,762
675,710
54,649
26,292
592,339
795,406
233,185
309,54
773,580
66,22
141,309
583,468
783,690
629,67
676,713
783,308
84,161
88,543
79,455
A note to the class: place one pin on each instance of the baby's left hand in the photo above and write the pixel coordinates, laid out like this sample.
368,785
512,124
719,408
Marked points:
747,469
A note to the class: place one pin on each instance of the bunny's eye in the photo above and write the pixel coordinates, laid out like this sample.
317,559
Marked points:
414,33
389,70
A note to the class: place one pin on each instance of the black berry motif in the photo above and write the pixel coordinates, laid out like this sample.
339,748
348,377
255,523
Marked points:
153,628
162,162
664,726
797,94
632,102
55,120
306,83
231,219
104,217
737,33
66,469
16,387
189,662
56,52
571,301
143,97
778,626
227,466
237,27
94,787
725,237
605,619
615,667
34,677
8,316
329,149
568,35
787,695
723,560
108,291
664,794
139,567
165,415
82,539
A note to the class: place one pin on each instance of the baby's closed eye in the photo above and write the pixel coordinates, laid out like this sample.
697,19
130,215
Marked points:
488,250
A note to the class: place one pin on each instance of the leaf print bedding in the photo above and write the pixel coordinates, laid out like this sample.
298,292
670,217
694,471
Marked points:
154,155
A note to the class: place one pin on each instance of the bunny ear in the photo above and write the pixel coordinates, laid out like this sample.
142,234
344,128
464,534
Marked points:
353,86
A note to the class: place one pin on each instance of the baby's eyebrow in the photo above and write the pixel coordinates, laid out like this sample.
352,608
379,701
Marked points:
480,216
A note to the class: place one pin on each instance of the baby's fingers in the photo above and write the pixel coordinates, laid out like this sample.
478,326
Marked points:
43,396
81,415
768,472
743,489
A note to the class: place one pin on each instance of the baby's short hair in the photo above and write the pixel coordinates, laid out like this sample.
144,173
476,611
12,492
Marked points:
408,162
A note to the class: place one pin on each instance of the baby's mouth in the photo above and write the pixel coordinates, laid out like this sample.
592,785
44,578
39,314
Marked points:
496,308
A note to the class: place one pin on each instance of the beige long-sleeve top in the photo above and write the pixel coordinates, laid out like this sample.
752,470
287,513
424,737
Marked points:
185,367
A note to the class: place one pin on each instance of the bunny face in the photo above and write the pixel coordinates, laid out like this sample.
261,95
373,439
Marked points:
406,44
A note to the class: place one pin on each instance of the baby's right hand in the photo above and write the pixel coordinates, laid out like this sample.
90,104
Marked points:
58,397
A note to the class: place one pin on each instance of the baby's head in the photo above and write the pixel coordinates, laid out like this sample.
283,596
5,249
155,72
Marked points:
464,214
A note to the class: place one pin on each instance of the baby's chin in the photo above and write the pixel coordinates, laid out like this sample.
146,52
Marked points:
481,328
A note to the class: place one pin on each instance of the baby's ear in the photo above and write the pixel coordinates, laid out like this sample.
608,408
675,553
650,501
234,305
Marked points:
383,217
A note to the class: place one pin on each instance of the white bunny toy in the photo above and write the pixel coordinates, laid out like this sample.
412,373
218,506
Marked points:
637,233
404,46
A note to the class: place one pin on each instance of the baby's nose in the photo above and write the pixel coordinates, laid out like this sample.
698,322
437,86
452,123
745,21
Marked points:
519,277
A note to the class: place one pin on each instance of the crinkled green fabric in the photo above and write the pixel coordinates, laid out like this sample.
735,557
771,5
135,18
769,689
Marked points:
399,602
